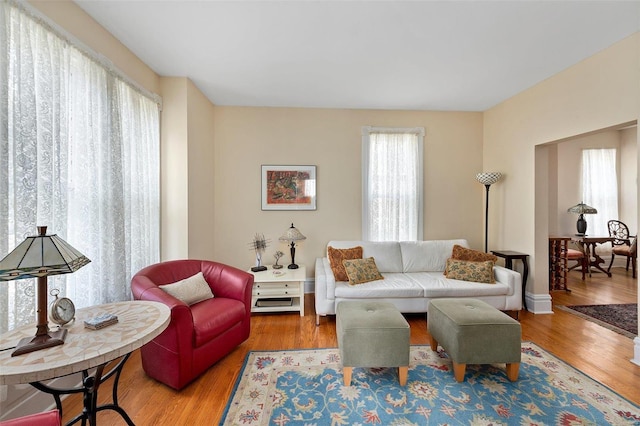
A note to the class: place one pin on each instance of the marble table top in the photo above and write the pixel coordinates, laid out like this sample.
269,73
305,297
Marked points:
138,323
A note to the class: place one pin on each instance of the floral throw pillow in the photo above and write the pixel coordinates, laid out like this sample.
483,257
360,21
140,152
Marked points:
463,253
465,270
336,256
362,270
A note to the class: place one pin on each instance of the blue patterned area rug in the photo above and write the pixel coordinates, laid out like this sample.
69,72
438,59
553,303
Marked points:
305,387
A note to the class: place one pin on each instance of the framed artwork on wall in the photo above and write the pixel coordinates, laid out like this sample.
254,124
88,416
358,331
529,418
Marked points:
288,187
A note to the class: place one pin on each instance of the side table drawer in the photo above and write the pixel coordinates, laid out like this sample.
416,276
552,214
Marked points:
276,292
280,286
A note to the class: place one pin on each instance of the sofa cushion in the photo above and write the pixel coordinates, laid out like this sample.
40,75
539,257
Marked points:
435,285
463,253
207,327
394,285
387,253
467,270
337,256
427,256
190,290
362,270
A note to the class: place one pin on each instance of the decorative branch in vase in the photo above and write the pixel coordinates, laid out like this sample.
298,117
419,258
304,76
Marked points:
278,255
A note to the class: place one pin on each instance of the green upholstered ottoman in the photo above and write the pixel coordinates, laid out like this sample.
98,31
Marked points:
372,334
474,332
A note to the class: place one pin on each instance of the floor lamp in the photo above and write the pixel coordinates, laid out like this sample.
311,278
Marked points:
487,179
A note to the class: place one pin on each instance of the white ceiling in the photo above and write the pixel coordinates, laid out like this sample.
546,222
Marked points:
423,55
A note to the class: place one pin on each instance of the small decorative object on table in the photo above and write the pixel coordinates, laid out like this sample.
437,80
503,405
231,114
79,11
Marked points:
278,255
101,321
62,310
259,244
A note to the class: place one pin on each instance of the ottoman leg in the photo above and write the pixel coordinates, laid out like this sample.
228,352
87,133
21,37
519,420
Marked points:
402,375
346,372
512,371
458,371
434,344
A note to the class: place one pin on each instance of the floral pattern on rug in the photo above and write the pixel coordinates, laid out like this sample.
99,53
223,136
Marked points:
306,387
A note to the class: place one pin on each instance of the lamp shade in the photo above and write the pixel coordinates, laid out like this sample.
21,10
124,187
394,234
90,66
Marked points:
292,234
488,178
582,208
39,256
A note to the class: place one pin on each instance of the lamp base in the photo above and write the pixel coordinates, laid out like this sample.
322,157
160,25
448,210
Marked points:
293,266
44,341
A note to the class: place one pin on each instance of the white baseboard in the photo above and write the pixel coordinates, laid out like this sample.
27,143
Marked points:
22,400
539,303
636,351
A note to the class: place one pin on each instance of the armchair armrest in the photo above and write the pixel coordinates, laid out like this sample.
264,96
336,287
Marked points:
180,329
229,282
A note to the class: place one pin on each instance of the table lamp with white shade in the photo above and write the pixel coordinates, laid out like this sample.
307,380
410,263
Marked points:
291,235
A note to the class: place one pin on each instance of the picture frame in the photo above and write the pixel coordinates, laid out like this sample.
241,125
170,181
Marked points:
288,187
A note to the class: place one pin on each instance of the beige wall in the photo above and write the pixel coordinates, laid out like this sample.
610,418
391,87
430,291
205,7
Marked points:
202,175
174,164
600,92
246,138
188,172
628,210
569,172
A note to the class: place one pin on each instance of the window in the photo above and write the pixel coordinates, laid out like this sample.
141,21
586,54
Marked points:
79,153
600,188
392,184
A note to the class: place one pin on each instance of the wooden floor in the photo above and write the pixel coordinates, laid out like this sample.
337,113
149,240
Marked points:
602,354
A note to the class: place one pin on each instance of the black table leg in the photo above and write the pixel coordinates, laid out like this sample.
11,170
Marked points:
89,389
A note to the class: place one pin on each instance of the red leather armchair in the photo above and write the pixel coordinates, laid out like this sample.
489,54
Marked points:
198,335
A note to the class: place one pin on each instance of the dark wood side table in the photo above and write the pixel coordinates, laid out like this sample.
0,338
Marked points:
509,256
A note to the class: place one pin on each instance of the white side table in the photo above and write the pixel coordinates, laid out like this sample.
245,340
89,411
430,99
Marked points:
273,288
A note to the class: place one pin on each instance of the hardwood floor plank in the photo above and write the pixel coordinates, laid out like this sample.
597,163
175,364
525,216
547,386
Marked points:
598,352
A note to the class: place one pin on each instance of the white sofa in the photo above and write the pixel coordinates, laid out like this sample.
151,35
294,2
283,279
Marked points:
413,275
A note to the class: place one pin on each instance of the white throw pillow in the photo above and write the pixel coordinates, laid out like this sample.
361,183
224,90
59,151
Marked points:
190,290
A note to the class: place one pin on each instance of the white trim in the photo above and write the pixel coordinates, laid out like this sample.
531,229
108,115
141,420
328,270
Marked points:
636,351
539,303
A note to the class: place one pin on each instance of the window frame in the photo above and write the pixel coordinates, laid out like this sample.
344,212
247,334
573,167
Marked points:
366,139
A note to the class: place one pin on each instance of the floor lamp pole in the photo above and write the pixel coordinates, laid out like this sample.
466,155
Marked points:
486,221
487,178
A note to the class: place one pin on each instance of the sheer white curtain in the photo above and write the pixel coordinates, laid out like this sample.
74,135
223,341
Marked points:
80,154
600,189
392,184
